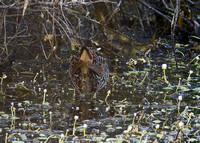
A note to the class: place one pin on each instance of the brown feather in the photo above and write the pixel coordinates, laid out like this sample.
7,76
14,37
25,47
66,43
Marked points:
88,71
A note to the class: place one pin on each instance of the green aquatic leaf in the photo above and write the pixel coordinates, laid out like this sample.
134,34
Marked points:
129,73
110,130
27,102
111,139
108,126
23,136
42,138
169,88
97,139
192,140
196,89
14,118
119,128
71,89
157,121
167,127
183,88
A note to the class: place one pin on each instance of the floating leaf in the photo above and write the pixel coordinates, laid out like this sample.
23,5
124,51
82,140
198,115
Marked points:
42,138
119,128
108,126
24,124
27,102
97,139
169,88
157,121
23,136
110,130
5,115
192,140
14,118
196,89
70,89
17,142
182,88
111,139
167,127
130,72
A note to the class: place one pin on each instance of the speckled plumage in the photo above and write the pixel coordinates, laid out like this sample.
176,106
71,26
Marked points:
88,71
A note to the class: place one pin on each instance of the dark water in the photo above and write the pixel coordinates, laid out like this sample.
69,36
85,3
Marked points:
106,119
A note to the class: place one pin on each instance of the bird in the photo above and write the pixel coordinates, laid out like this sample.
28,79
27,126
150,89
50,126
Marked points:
88,70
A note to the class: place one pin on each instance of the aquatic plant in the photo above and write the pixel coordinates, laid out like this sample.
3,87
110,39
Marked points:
84,128
179,102
144,77
190,115
74,127
189,76
133,121
164,67
44,96
157,127
36,75
2,78
61,140
108,94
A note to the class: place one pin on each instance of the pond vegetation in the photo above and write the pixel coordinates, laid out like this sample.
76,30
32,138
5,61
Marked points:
152,94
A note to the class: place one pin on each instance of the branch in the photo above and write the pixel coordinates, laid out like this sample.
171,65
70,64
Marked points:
173,27
153,9
166,6
56,4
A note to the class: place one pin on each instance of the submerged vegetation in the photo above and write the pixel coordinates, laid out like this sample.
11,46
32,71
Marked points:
152,94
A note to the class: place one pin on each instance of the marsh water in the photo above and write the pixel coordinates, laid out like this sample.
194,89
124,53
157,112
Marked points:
138,97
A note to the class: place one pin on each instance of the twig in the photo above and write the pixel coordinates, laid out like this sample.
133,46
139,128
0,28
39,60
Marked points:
195,4
113,12
166,6
5,43
173,27
139,15
53,28
43,50
1,20
147,19
164,16
156,11
63,28
39,3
